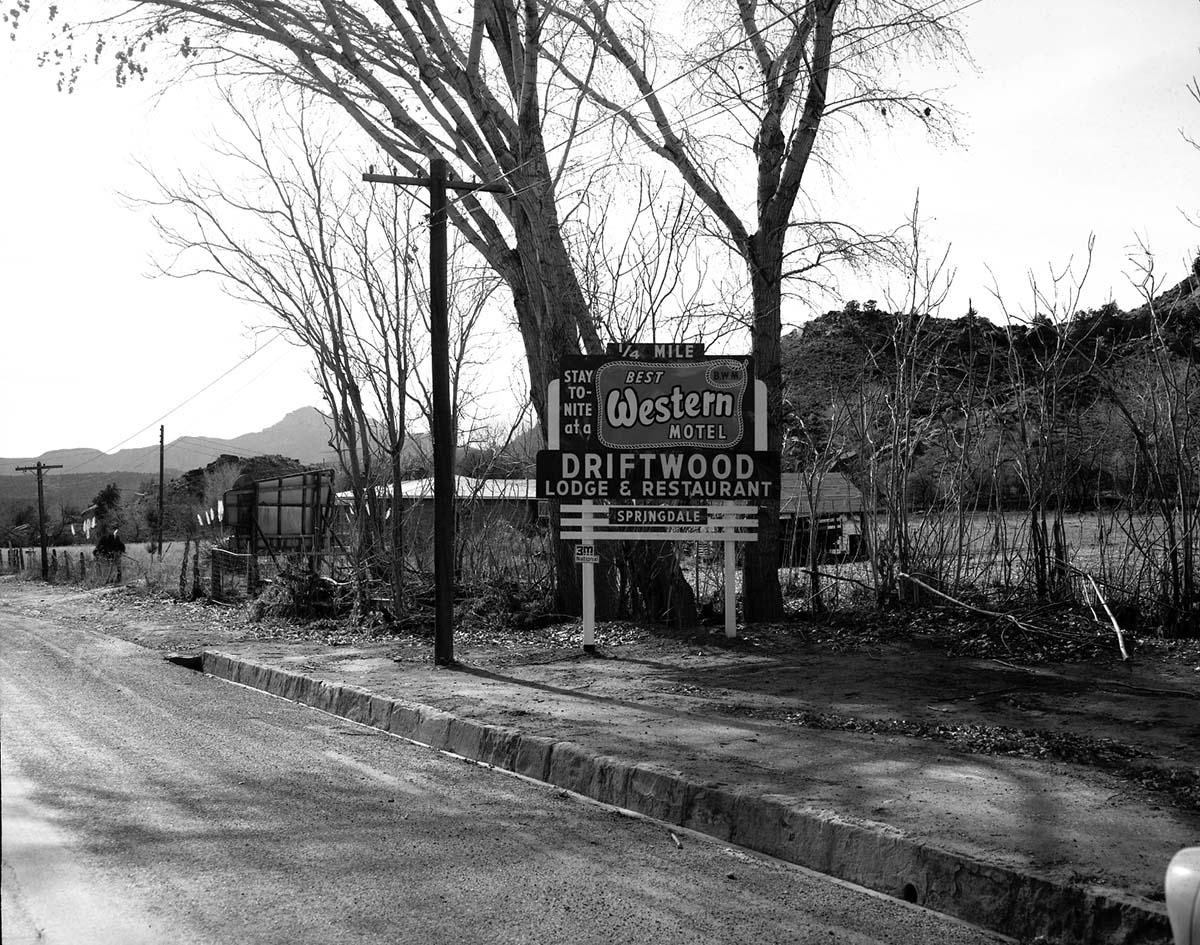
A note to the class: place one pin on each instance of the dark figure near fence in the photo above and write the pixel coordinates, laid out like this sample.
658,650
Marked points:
110,548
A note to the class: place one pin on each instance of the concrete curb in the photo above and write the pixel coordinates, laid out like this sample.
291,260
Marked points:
870,854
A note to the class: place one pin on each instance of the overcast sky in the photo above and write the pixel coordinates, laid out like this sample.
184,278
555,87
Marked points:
1071,125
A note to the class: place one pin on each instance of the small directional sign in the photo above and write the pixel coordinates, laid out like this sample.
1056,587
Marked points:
586,554
656,515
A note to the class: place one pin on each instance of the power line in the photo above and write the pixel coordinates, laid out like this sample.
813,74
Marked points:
207,442
183,403
191,443
210,449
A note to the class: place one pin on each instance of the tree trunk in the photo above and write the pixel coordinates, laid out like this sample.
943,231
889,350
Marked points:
665,593
816,595
183,570
555,322
762,597
1037,548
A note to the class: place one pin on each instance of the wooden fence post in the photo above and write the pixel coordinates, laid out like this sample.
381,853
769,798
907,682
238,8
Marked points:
183,569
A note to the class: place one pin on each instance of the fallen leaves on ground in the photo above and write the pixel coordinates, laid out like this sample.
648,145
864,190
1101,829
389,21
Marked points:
1125,761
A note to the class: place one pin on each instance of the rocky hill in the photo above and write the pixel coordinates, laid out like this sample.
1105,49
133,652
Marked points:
976,408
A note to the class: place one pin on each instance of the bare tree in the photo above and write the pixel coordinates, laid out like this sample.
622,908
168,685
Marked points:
388,306
893,416
1157,394
639,261
469,290
420,85
1043,415
789,71
817,442
642,277
332,268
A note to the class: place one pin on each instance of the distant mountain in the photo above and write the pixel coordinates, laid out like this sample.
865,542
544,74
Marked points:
302,435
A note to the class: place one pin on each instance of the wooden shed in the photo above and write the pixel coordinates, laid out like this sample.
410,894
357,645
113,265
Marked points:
838,516
477,502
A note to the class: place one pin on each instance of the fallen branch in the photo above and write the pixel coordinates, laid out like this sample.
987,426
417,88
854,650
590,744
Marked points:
848,580
1020,625
1148,690
1116,626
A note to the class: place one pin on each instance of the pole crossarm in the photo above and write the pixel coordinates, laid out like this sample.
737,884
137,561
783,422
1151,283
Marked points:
461,186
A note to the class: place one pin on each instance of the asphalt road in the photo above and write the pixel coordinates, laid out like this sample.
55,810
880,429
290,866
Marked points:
145,803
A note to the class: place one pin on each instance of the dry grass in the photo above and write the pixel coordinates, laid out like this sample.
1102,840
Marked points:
137,566
1122,552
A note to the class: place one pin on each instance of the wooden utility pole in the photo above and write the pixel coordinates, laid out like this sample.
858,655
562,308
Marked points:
39,469
161,429
443,425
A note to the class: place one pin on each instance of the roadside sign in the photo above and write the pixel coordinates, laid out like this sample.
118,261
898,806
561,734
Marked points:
657,441
634,403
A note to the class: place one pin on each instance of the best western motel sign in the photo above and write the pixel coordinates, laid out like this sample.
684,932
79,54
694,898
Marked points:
651,423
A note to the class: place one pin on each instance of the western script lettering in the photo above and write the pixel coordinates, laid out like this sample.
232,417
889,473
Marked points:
624,408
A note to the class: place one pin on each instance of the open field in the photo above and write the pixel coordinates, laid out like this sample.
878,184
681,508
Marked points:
1126,554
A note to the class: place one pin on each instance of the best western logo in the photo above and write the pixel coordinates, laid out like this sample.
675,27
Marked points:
671,405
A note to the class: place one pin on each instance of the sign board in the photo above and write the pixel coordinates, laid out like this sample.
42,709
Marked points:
671,405
657,422
690,476
672,445
622,403
291,513
655,351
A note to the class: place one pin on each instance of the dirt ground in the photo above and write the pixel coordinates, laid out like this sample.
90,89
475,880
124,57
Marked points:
1137,719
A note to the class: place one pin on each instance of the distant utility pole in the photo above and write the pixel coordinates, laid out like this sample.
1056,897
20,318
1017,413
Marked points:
443,445
39,469
161,428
